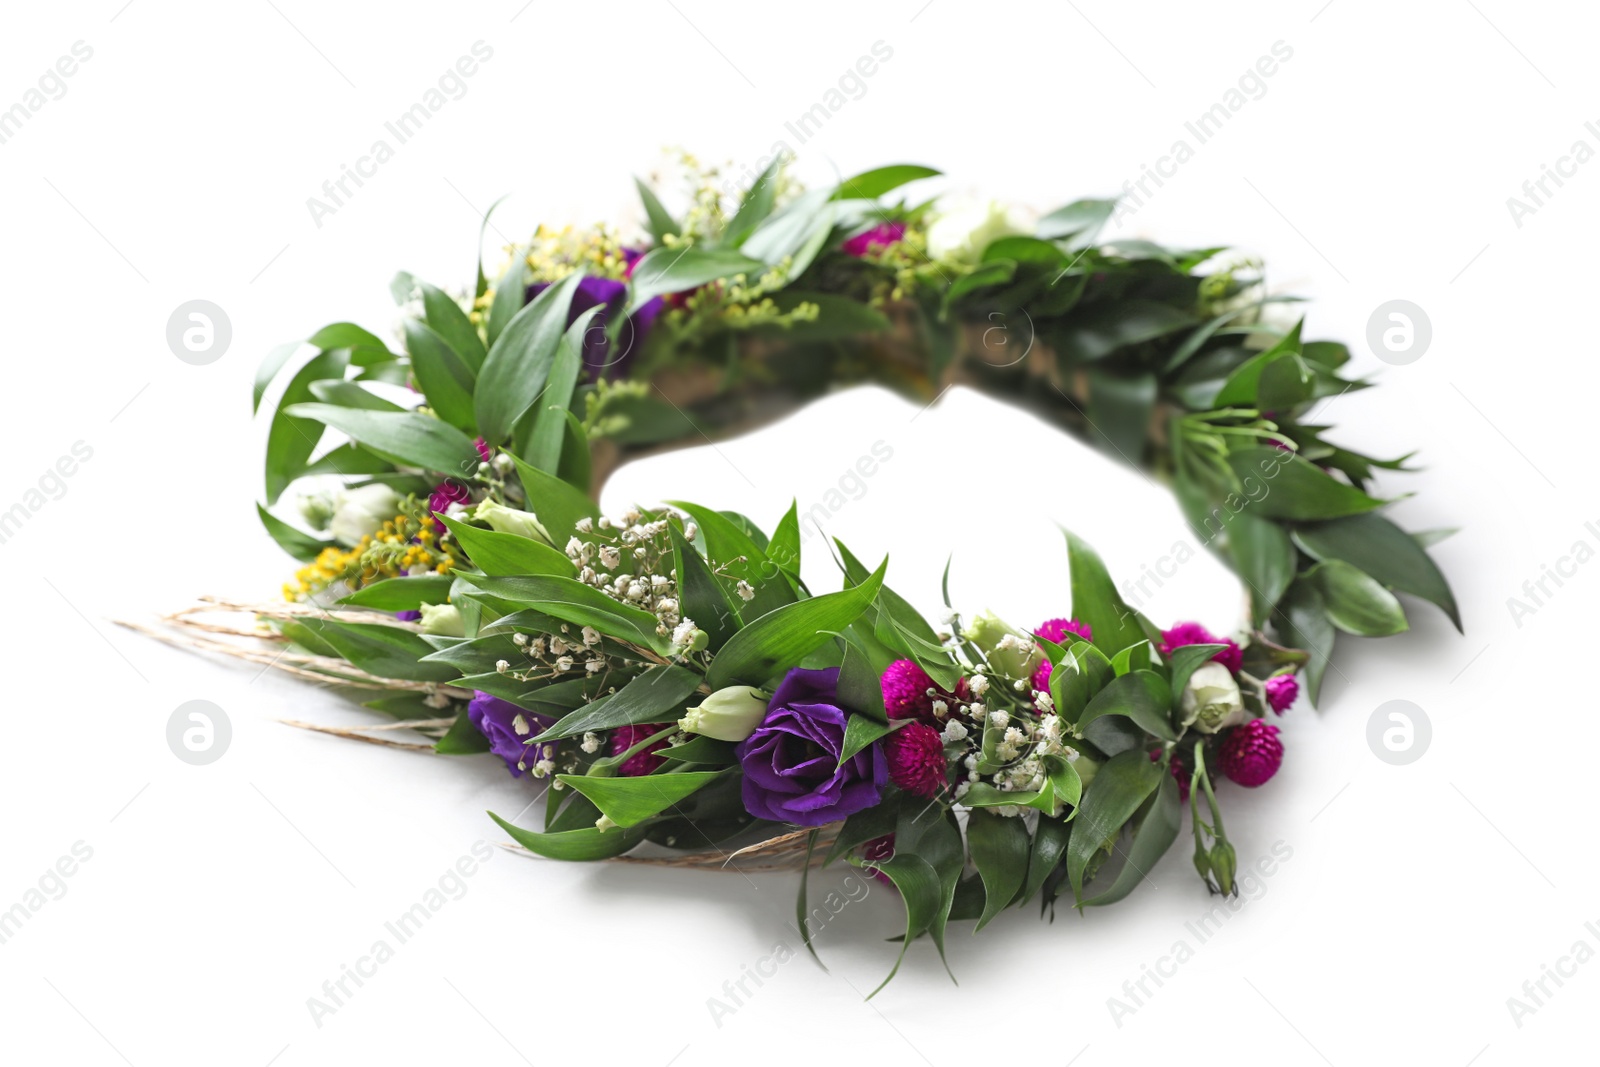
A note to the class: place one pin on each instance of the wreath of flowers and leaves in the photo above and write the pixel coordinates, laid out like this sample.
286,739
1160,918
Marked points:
685,691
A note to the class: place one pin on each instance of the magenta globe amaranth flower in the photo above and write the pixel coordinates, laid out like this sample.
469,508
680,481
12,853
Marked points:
1192,633
644,761
915,754
446,493
508,728
909,691
1056,630
1251,753
880,236
1281,691
791,762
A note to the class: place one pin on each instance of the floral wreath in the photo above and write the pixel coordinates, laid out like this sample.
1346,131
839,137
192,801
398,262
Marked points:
668,671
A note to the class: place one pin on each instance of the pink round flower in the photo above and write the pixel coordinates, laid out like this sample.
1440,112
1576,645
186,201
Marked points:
1057,629
446,493
1281,691
1192,633
1251,754
1041,677
1180,774
880,236
485,453
916,759
643,761
906,691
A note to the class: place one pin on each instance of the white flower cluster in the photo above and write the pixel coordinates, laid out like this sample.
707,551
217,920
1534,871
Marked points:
550,655
629,559
1018,743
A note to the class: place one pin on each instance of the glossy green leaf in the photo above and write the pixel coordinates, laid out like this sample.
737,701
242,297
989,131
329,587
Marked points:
1302,622
405,437
302,546
1095,600
291,439
920,892
549,433
1118,789
1142,696
1157,829
446,381
500,554
660,222
401,594
575,603
1356,602
518,364
630,801
1380,548
1049,844
657,694
677,270
999,848
510,296
556,504
585,844
871,184
462,739
1296,489
381,650
734,553
1081,217
783,637
701,595
1264,559
446,319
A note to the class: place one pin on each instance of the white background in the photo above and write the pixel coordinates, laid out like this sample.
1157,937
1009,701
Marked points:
218,899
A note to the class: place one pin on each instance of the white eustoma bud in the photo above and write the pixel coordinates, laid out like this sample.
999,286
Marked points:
1011,653
1211,699
502,519
444,620
360,512
962,229
730,714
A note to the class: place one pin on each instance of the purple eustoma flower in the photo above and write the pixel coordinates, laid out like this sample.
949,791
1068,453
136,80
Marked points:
610,296
791,762
507,727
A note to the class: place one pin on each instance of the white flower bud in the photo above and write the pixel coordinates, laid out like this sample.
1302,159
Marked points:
502,519
361,512
730,714
443,620
1211,699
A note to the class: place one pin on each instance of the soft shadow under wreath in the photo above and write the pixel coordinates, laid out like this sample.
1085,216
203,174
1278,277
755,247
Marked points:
692,701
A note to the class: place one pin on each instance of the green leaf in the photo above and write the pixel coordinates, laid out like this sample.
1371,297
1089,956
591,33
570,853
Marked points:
446,319
404,436
402,594
677,270
501,554
586,844
1356,602
1243,384
999,849
782,638
796,232
543,449
447,382
860,688
270,366
1049,843
630,801
1154,834
661,223
1094,331
859,732
482,285
755,206
510,294
1119,409
1081,217
291,439
575,468
1079,675
784,549
302,546
655,695
1295,488
1264,558
1095,600
366,349
838,317
462,739
1302,622
518,365
1185,660
1142,696
866,825
1118,789
701,595
558,505
575,603
726,544
871,184
1381,549
381,650
920,892
349,394
932,834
